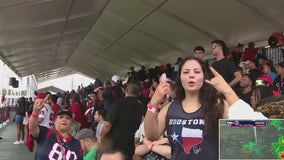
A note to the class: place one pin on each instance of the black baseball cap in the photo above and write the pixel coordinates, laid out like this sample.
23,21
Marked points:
64,111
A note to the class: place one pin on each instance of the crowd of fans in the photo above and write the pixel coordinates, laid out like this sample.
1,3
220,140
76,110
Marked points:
107,118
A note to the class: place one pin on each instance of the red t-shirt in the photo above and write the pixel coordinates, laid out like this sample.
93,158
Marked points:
249,54
55,108
146,92
89,104
79,116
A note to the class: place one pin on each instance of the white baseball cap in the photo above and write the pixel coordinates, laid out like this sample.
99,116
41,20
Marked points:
115,79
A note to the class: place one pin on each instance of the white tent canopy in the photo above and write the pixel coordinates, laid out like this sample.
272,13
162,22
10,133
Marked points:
99,38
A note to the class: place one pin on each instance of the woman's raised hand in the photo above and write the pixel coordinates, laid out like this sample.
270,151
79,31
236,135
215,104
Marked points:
218,82
39,103
161,91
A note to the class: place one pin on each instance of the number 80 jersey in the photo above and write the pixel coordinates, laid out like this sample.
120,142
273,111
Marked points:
50,149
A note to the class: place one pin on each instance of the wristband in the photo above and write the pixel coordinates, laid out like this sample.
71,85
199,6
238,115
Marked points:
151,147
34,115
151,108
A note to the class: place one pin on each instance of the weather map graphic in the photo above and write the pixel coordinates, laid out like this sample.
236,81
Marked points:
251,139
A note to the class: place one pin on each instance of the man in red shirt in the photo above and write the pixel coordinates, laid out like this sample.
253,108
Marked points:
80,120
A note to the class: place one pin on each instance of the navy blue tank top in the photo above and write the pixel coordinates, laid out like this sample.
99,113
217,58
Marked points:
186,136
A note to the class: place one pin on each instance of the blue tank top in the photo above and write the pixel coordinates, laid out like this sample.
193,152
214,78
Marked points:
185,132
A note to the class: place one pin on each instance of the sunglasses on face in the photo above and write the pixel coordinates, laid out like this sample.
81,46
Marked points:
214,46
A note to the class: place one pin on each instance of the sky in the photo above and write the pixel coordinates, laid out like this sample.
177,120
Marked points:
67,83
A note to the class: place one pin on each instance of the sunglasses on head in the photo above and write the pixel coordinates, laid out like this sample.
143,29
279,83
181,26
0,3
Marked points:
260,83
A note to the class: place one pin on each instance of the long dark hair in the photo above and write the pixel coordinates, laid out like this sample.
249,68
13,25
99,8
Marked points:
77,99
22,105
261,92
212,103
269,63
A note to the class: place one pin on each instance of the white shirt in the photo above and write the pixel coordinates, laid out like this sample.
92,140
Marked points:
242,110
59,101
47,115
100,127
140,133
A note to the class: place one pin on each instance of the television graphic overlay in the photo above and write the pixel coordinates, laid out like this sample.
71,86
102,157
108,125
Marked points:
251,139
